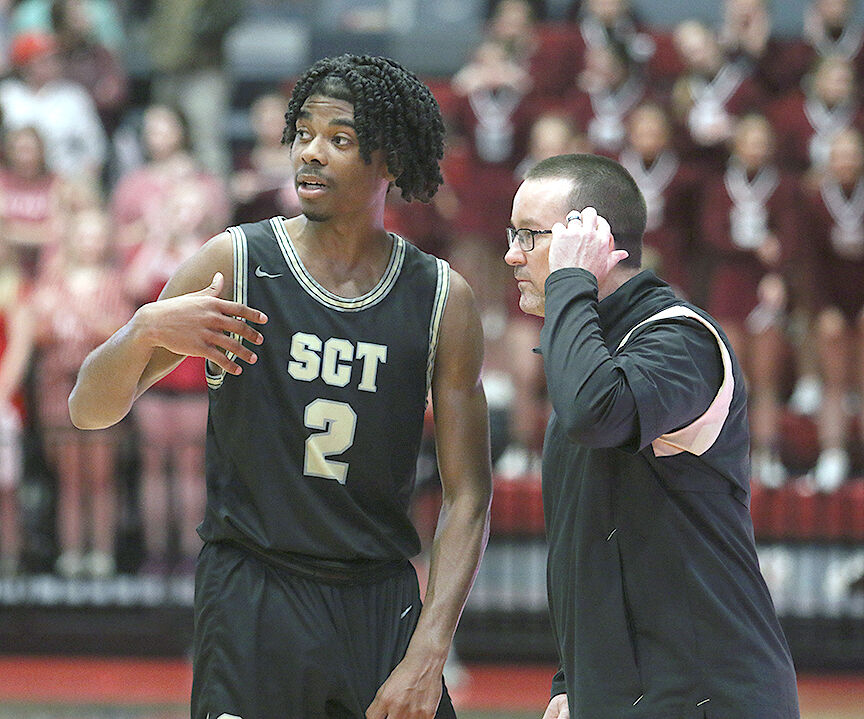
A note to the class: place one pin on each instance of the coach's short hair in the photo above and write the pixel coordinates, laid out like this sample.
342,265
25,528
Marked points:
393,111
605,185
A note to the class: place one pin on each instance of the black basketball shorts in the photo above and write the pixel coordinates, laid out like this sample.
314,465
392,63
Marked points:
270,644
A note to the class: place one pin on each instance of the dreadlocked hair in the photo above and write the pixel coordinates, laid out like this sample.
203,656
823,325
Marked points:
393,112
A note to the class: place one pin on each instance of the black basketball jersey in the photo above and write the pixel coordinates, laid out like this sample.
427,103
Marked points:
312,450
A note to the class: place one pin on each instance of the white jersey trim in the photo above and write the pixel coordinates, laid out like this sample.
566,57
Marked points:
701,434
442,292
322,294
240,294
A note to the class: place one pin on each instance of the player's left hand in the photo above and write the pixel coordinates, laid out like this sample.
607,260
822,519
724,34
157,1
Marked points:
586,241
412,691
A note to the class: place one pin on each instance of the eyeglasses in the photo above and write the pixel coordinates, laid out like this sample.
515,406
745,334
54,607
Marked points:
524,237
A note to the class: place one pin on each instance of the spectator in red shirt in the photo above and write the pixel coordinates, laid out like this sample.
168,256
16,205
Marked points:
30,199
172,417
13,287
139,199
78,302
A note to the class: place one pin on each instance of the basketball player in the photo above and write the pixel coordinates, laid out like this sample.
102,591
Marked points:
324,334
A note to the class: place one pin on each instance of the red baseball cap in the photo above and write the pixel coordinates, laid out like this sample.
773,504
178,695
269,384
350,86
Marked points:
31,45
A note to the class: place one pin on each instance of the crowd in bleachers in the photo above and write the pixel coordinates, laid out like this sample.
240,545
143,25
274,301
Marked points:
748,149
747,146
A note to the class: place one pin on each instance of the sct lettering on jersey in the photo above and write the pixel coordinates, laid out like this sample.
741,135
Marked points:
334,359
333,424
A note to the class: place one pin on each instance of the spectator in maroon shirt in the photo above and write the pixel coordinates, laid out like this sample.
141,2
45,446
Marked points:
808,119
669,187
835,232
710,93
749,228
830,28
602,22
607,90
543,50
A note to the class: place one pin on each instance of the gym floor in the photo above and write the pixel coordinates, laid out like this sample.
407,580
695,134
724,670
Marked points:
86,688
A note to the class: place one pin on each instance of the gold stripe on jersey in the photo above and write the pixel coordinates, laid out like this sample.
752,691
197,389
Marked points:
240,294
322,294
442,291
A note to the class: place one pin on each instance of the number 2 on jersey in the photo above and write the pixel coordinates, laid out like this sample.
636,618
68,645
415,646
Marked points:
336,422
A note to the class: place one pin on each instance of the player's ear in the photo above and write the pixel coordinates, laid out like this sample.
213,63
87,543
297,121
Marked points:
392,168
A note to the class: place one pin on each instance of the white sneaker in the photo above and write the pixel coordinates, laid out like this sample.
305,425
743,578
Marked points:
100,565
807,396
832,469
70,564
767,469
516,461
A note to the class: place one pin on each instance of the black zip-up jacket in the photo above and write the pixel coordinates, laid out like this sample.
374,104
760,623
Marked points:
657,603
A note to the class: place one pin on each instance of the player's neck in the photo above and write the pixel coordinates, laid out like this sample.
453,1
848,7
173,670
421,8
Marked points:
343,237
347,256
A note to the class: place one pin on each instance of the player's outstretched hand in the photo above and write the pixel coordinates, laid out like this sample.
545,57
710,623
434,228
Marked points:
558,708
586,241
412,691
201,324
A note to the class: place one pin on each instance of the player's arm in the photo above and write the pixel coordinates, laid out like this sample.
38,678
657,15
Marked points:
191,318
462,441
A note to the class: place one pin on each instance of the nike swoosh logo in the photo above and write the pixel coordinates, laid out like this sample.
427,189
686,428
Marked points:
261,273
408,609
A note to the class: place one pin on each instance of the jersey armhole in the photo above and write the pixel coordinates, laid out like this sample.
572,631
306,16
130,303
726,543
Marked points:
442,291
216,375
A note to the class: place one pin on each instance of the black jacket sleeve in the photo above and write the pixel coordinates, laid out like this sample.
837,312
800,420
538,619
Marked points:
666,375
559,685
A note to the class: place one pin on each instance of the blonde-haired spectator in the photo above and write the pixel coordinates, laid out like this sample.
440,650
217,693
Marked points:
749,227
709,94
79,301
835,235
